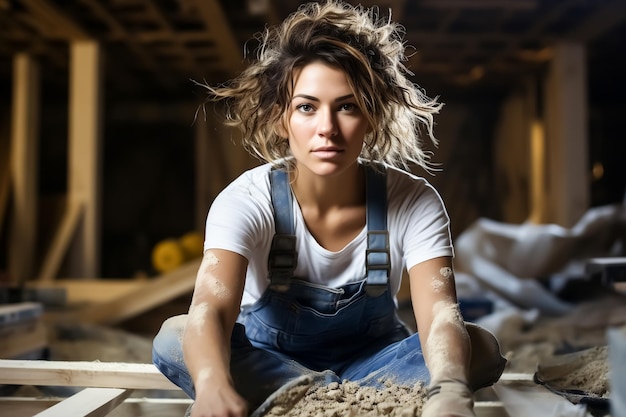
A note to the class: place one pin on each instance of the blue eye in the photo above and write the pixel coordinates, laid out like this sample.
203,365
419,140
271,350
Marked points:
348,107
305,108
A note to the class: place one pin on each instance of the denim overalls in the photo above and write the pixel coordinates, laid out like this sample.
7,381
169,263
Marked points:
298,328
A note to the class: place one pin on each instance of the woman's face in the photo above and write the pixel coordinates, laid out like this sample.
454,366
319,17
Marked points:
326,128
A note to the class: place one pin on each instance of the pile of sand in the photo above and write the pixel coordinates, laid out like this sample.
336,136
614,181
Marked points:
348,399
587,371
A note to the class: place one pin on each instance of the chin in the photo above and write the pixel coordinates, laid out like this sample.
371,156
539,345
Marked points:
328,169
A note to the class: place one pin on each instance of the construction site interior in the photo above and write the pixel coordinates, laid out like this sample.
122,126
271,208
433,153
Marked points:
109,164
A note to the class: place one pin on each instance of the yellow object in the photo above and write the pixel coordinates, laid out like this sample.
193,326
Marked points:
193,244
168,255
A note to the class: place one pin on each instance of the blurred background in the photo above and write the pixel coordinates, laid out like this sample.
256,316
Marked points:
109,164
102,156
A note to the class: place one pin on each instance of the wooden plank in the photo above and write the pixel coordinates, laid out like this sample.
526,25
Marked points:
489,409
153,293
24,148
83,374
61,242
89,290
90,402
131,407
516,377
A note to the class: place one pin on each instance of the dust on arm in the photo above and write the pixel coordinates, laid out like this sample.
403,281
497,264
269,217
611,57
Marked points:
441,328
212,314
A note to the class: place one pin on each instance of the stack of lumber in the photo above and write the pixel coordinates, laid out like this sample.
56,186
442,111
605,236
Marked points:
23,333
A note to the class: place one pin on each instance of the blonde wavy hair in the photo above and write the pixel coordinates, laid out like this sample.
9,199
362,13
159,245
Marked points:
369,49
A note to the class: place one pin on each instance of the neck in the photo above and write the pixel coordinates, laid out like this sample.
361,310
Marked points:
325,192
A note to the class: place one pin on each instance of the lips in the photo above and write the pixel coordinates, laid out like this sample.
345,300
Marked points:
327,152
327,149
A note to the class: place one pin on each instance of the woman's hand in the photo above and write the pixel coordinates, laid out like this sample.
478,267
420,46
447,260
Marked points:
219,401
449,399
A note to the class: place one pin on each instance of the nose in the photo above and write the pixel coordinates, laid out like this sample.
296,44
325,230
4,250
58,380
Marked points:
327,123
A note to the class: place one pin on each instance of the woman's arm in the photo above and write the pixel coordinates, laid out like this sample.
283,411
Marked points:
206,339
444,338
441,328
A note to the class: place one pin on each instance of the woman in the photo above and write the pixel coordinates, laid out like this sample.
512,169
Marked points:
304,254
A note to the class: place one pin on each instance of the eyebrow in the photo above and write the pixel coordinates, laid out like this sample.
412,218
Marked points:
338,99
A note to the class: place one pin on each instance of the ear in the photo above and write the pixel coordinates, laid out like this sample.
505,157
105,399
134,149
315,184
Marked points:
280,128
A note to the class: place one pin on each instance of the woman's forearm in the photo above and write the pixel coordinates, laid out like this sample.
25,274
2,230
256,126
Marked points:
447,349
206,345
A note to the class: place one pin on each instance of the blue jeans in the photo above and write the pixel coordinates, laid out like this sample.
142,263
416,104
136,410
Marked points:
328,334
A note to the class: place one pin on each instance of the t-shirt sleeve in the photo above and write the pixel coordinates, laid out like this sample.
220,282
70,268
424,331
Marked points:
424,224
240,218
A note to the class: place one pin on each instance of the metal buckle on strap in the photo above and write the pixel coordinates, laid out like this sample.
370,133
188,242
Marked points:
377,262
282,260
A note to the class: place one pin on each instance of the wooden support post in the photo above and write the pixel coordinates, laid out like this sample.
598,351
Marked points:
537,173
85,155
24,149
5,170
566,135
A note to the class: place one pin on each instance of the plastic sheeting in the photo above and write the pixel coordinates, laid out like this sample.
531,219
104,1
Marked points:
510,261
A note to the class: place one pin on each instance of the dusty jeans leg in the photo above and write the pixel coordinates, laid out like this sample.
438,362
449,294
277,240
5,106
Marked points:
401,363
167,353
256,372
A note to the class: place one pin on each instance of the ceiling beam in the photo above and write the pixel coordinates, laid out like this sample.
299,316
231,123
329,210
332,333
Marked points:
600,22
55,23
116,28
225,40
480,4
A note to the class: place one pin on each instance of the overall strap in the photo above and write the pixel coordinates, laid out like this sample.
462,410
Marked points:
283,258
378,257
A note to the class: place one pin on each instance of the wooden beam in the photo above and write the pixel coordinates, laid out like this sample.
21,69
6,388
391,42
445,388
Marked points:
85,154
223,36
83,374
54,22
131,407
602,21
5,170
24,150
567,169
481,4
152,294
90,402
84,291
119,33
61,242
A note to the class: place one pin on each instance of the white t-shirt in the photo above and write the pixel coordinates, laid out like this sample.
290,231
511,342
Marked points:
241,220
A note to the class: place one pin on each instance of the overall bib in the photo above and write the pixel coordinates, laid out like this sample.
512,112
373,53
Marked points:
299,328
